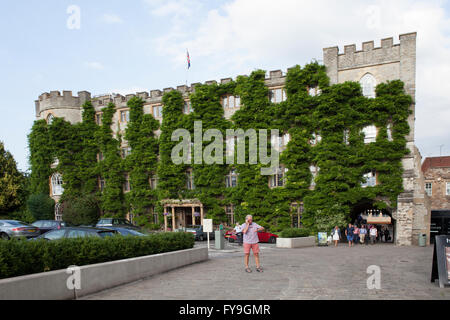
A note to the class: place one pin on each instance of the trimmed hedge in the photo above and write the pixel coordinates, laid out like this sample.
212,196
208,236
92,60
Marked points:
18,258
295,233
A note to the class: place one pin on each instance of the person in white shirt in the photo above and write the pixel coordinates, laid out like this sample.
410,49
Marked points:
373,234
238,231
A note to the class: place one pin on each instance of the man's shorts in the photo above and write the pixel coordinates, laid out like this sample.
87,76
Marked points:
350,238
249,246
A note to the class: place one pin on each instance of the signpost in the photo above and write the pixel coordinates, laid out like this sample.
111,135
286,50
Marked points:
441,261
207,227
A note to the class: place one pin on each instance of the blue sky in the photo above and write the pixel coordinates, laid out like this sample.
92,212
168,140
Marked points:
129,46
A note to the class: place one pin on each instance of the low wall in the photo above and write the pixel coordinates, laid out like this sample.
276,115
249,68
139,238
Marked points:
97,277
296,242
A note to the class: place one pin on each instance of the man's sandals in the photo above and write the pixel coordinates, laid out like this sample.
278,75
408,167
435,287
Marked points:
248,270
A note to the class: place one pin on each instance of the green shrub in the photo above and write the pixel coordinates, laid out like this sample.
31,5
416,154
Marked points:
19,258
295,233
41,207
81,210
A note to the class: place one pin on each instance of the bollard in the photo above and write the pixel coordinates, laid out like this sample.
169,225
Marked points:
219,240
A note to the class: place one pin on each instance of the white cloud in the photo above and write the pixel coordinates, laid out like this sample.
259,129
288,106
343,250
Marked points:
111,18
94,65
243,35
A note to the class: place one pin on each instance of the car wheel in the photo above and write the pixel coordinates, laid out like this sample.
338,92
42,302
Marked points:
273,240
4,236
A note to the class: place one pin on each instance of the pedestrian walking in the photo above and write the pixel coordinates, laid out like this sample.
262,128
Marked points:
238,231
336,234
356,234
362,234
250,231
373,234
349,233
386,235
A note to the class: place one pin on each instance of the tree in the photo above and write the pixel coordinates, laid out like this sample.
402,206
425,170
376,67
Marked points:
11,182
41,206
81,210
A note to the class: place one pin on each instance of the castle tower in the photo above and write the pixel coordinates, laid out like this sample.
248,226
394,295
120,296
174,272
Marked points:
65,106
371,66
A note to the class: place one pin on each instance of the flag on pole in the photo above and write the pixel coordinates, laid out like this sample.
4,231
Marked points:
188,60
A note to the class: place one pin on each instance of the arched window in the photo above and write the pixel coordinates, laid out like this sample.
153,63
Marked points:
50,118
57,184
368,84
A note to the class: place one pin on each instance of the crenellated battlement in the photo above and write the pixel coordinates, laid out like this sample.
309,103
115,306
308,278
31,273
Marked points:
387,52
66,100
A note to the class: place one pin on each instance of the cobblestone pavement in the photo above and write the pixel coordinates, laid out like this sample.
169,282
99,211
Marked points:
309,273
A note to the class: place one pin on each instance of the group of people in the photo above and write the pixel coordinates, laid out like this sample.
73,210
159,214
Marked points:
362,234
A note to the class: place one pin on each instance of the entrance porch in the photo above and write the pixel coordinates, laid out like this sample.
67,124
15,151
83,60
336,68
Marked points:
181,213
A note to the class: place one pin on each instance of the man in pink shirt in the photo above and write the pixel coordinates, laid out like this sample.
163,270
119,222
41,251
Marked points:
251,240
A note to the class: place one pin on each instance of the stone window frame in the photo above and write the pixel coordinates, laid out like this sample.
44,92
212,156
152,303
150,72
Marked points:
159,110
50,117
229,178
125,151
225,100
153,180
273,96
98,118
364,85
101,184
278,179
229,211
122,118
190,182
189,108
126,184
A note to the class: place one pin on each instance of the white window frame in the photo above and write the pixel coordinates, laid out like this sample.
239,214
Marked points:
278,179
187,107
57,184
124,116
370,134
231,177
314,91
314,171
190,184
157,111
315,139
50,118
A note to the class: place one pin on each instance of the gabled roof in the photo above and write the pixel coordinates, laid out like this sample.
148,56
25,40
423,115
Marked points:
436,162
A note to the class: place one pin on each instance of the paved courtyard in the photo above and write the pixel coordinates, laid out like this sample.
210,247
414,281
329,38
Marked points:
310,273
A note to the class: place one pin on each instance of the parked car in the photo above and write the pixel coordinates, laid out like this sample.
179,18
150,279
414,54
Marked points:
263,236
198,233
126,231
116,222
77,232
47,225
17,229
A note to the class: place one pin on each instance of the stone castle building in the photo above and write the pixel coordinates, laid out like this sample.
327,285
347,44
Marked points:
370,66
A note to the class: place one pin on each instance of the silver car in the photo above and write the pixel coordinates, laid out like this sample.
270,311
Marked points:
16,229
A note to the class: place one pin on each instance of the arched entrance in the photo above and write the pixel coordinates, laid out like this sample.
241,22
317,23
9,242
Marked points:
364,213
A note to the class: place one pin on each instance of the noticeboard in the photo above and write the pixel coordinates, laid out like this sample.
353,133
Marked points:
323,238
207,225
441,261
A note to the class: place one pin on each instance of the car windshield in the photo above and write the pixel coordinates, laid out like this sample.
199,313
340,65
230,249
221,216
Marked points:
105,221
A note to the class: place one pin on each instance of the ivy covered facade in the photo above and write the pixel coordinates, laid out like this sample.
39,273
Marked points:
342,145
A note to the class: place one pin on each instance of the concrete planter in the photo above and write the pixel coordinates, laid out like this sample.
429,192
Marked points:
97,277
296,242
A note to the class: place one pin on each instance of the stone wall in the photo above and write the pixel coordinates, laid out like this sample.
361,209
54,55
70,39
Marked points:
438,177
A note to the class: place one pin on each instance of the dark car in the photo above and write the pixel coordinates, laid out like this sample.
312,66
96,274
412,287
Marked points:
198,233
126,231
115,222
16,229
47,225
77,232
